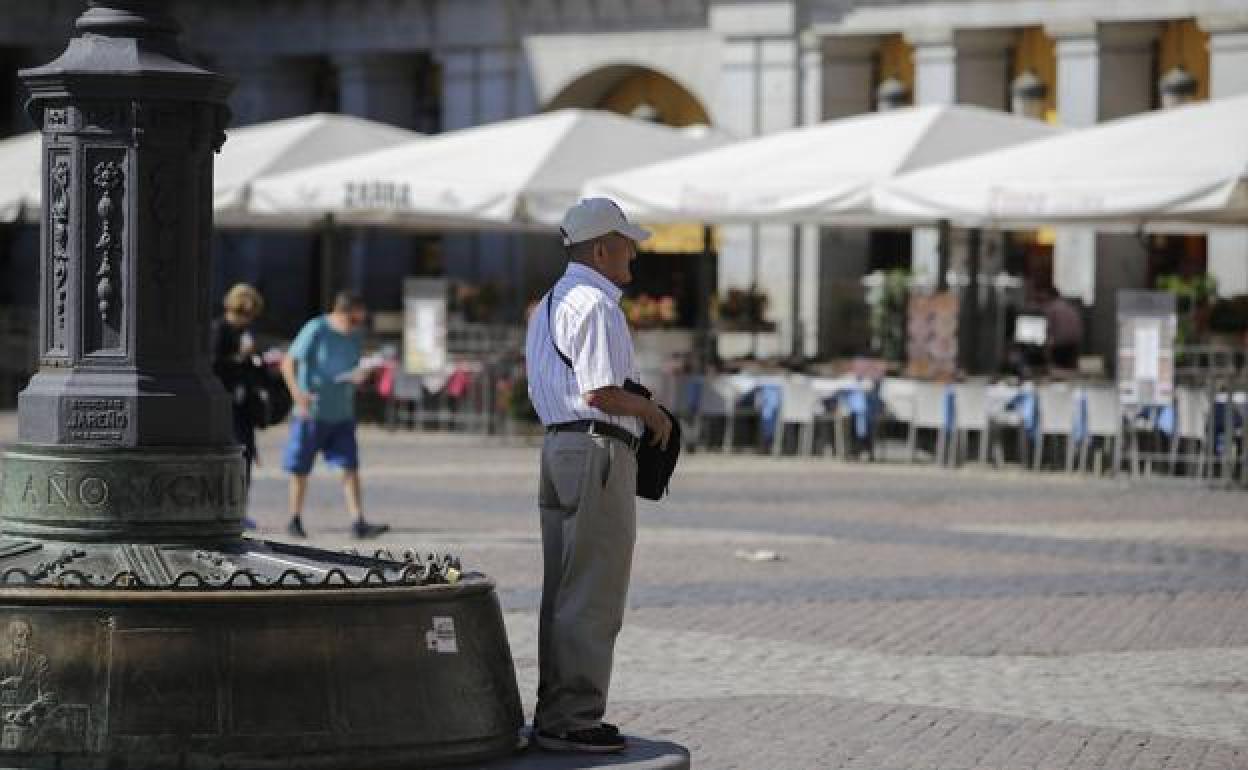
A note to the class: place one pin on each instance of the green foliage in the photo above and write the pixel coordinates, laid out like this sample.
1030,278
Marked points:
888,298
1193,296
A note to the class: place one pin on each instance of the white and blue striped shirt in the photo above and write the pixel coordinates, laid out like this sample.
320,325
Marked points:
590,329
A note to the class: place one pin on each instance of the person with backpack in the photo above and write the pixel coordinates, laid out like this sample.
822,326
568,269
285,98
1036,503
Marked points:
235,363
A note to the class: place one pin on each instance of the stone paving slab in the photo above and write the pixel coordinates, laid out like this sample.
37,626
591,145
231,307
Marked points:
922,618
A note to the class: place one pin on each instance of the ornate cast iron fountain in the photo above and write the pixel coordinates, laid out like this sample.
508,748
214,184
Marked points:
140,629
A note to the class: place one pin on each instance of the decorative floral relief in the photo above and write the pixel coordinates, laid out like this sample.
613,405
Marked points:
60,238
109,178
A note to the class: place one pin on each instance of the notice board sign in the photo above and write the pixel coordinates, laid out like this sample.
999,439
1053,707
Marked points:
424,325
1147,328
932,335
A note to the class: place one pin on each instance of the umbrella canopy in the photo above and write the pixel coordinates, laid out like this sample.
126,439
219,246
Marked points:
22,177
249,154
281,146
817,174
516,173
1186,164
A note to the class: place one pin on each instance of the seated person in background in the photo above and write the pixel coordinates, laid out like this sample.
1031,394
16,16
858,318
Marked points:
1065,329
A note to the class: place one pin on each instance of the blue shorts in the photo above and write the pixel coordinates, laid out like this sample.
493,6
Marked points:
335,440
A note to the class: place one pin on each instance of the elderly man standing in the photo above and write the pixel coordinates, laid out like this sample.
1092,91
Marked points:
580,361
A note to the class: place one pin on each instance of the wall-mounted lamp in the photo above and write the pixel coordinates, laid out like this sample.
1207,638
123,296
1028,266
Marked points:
891,94
1027,95
1177,87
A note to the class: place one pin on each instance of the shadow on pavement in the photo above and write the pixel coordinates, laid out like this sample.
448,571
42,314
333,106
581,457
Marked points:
642,754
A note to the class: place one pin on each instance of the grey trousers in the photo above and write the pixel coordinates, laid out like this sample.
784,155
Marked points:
589,526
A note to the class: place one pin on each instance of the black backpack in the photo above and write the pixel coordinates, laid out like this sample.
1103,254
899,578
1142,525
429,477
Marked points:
268,400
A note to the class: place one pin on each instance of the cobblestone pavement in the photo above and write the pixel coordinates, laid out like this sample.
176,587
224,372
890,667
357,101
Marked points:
917,618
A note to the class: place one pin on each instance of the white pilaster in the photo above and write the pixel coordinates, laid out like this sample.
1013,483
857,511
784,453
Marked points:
758,94
378,86
935,82
1078,106
811,63
269,88
1228,76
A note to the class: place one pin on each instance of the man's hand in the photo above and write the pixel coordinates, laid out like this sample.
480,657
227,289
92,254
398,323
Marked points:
303,402
659,424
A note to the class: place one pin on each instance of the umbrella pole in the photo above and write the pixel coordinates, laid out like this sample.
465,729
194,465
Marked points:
970,339
754,247
328,256
943,245
705,342
797,348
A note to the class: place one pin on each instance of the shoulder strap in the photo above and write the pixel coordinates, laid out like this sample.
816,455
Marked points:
550,328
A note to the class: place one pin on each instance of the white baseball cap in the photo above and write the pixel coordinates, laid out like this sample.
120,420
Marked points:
596,217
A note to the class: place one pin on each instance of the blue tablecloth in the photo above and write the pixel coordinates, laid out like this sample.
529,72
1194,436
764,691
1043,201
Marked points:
1027,407
766,399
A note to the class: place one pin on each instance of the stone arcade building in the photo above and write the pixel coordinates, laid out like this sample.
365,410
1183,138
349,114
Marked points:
746,67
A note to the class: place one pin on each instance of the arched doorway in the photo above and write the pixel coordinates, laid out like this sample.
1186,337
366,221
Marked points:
674,275
636,91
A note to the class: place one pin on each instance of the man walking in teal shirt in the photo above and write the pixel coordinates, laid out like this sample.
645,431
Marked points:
321,370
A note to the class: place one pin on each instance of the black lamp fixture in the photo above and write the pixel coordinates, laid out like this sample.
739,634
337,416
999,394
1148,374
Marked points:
891,94
1027,95
1177,87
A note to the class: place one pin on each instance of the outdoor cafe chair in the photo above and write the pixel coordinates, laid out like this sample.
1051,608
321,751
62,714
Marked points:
718,402
1102,419
1055,418
930,413
1003,404
970,415
897,397
799,405
1190,429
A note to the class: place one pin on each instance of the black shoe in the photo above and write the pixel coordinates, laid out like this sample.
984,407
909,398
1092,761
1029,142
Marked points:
591,740
364,531
610,728
295,528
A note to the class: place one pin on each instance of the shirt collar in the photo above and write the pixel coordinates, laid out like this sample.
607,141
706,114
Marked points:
586,274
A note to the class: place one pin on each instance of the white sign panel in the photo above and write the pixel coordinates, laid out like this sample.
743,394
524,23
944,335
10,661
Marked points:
424,326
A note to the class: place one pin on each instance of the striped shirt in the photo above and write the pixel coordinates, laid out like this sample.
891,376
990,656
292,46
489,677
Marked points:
590,329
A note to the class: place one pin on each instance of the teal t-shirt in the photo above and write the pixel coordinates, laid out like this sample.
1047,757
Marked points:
322,355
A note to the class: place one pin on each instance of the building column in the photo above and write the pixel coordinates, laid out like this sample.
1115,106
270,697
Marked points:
1228,76
1078,105
809,268
758,95
379,87
269,88
848,88
1103,72
935,82
955,67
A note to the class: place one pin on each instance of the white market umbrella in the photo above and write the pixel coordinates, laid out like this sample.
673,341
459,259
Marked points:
520,173
280,146
1186,164
822,174
20,178
249,153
